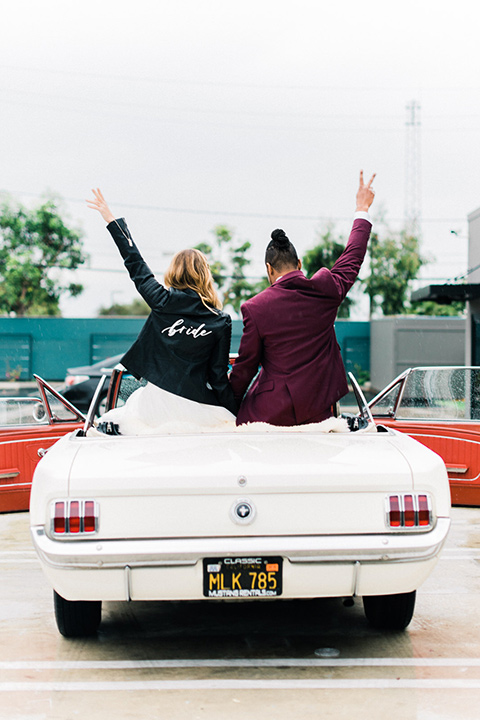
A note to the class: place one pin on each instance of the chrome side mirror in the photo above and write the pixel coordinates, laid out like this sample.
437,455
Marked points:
39,413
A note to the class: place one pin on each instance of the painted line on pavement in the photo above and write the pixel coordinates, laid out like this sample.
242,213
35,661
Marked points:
366,684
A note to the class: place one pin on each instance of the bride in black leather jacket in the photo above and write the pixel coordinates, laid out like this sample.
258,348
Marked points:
183,348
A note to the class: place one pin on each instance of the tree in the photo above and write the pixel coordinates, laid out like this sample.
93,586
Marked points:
32,243
138,306
394,262
429,307
325,254
228,262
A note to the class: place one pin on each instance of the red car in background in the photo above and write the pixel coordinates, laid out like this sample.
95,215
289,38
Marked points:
439,407
28,427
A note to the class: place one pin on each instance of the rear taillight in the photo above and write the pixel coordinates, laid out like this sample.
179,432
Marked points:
424,511
89,517
74,520
59,519
74,517
408,511
395,518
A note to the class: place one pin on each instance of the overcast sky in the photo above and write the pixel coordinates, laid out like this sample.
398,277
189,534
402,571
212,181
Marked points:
256,114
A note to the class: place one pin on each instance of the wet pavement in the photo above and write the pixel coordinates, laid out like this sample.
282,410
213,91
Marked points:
309,659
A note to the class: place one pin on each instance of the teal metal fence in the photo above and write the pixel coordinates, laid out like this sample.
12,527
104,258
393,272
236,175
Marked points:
48,346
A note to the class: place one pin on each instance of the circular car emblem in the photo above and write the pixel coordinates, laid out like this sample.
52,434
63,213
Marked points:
243,511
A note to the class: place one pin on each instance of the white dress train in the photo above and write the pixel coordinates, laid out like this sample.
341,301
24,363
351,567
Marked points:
150,409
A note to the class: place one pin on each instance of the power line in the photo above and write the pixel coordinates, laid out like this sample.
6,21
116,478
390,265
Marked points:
212,111
228,213
230,83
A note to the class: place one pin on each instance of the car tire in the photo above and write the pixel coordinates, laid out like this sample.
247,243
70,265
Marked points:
389,612
77,618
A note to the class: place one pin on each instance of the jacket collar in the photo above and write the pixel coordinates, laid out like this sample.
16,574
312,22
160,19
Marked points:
291,274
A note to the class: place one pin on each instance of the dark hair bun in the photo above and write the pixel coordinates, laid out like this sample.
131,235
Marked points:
280,239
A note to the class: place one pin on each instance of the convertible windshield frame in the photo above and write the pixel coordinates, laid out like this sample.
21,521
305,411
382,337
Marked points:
46,389
436,401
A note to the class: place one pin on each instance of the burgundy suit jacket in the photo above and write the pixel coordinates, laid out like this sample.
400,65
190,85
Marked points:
289,332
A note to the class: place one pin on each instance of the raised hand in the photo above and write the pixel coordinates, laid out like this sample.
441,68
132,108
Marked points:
365,193
99,203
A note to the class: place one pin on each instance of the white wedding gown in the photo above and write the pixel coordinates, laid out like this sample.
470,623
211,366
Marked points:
150,410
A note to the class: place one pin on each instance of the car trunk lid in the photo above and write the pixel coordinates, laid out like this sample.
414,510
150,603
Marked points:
191,485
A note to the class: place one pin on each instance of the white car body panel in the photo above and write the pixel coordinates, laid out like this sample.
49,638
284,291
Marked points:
165,503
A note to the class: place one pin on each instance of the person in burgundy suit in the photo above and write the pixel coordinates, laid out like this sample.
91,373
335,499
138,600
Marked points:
288,330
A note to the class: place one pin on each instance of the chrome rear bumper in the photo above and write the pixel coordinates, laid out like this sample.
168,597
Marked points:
108,554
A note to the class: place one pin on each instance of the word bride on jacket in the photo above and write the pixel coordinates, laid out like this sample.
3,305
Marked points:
179,327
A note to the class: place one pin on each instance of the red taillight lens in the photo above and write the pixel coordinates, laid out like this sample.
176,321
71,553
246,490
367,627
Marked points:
74,517
59,523
423,511
409,511
394,519
89,519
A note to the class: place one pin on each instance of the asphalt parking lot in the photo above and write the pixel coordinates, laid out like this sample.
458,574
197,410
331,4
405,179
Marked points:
259,659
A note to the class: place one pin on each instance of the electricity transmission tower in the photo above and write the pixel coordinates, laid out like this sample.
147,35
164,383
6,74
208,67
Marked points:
412,169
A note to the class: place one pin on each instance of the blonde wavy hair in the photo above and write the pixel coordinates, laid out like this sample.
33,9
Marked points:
190,269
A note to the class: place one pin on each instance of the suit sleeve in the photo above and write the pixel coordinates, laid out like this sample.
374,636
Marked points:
346,269
217,373
249,356
149,288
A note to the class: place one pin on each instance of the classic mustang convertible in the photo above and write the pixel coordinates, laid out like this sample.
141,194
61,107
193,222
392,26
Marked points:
239,513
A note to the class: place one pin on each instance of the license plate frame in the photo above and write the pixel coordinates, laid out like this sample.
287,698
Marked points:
253,576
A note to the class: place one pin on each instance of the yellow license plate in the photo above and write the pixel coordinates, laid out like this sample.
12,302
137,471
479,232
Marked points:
242,577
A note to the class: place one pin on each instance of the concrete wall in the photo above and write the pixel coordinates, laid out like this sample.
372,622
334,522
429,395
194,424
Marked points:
400,342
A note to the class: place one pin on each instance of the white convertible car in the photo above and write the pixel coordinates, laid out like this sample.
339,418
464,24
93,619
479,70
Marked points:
240,513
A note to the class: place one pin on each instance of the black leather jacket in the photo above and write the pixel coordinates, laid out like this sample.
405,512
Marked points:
184,345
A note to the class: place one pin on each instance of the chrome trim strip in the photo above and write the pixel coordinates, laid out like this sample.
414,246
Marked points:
44,387
105,554
42,438
89,420
399,379
7,475
128,583
356,573
12,486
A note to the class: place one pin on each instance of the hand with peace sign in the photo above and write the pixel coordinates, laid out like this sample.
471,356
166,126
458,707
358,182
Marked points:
365,194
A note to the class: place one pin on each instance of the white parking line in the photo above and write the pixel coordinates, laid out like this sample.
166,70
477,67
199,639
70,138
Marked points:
155,685
70,665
